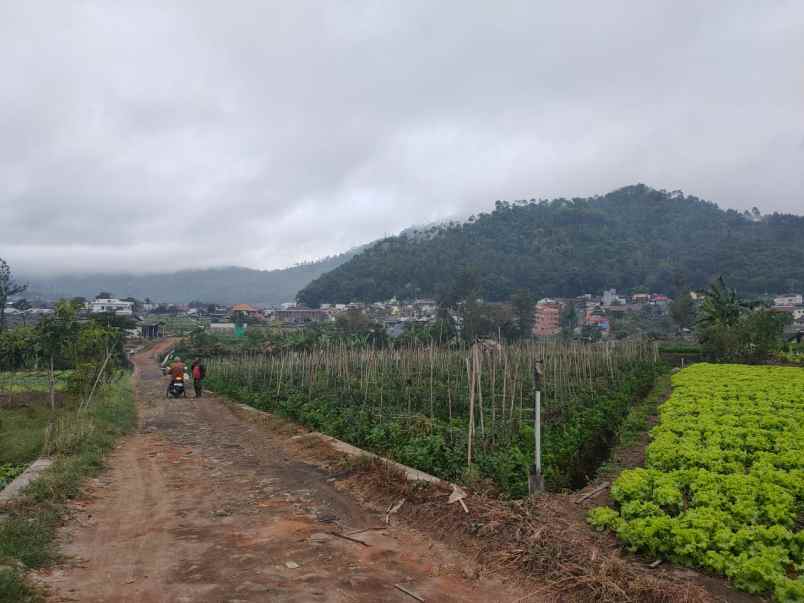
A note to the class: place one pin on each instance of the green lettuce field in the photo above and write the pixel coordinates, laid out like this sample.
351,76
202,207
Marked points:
723,486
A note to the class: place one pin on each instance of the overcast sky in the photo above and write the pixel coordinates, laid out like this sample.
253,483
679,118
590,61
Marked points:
149,136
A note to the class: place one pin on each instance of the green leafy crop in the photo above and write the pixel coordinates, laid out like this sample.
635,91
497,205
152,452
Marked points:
8,472
723,486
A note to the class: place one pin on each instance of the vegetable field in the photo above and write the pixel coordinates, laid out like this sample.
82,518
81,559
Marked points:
457,413
31,381
723,487
8,472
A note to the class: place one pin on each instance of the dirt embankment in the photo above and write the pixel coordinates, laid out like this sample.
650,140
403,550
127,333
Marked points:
544,543
204,505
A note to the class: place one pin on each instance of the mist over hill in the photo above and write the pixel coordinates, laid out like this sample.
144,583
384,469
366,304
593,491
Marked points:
632,237
227,285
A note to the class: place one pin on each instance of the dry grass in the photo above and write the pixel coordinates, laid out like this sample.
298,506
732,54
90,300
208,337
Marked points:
544,539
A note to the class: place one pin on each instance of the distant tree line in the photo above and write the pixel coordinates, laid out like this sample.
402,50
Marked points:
9,287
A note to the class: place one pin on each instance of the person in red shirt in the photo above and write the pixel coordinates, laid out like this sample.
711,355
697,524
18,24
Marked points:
199,372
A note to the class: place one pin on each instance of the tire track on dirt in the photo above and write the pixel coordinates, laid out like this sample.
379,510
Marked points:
200,505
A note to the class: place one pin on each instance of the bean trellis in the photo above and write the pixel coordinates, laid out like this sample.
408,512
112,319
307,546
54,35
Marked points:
482,395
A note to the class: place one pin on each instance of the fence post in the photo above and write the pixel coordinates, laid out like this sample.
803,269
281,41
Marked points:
535,479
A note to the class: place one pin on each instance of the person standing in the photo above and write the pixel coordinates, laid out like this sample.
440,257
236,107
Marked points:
199,371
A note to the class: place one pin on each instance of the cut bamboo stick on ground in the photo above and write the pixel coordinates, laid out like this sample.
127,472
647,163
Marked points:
345,537
367,530
408,593
392,510
592,492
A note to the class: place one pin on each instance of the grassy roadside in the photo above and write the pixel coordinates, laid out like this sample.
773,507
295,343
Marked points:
22,433
78,445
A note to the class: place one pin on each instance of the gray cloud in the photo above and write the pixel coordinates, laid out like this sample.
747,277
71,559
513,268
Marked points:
152,136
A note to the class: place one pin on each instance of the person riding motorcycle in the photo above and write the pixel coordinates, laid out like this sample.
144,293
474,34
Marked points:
176,372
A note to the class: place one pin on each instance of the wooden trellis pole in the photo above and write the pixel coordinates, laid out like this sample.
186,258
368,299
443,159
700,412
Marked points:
536,479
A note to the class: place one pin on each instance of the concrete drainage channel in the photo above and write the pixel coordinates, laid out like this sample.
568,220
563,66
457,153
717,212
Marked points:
22,481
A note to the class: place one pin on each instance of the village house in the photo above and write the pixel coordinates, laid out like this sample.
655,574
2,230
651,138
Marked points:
790,299
610,297
248,310
794,332
103,305
425,306
299,315
596,317
150,330
620,309
547,321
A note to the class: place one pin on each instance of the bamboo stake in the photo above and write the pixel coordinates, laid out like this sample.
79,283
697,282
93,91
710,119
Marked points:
471,414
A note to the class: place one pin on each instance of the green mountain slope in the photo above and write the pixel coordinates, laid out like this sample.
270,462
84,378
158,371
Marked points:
214,285
634,236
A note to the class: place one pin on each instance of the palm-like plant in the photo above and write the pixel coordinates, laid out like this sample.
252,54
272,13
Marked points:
722,307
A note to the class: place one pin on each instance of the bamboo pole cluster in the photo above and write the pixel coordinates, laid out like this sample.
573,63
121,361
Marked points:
488,388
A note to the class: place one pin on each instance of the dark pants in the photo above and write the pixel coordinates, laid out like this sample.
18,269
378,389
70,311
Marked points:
198,387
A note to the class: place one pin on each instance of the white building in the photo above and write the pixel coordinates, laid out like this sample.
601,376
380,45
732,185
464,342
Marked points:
792,299
426,306
222,328
119,307
610,297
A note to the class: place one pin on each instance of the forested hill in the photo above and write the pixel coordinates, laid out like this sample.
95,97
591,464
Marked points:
634,236
215,285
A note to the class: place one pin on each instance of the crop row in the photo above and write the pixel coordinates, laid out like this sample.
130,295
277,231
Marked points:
33,380
451,410
723,483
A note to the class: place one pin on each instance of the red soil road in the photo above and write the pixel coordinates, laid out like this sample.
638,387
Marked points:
201,505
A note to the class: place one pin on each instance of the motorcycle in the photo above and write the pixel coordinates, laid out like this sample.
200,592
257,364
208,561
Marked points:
176,388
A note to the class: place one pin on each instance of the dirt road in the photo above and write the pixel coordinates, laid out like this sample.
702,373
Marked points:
201,505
